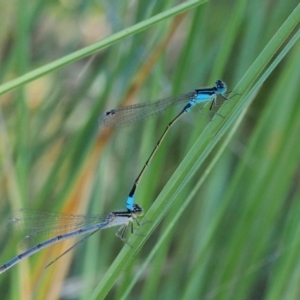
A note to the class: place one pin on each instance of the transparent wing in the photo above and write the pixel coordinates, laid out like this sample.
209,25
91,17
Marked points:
39,226
131,114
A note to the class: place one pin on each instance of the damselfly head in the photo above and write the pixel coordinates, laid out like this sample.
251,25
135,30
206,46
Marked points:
221,87
138,210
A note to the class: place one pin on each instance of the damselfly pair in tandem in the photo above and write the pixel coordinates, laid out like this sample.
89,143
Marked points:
66,226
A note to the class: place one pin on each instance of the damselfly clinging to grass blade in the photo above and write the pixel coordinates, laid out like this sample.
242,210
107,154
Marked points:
129,115
59,227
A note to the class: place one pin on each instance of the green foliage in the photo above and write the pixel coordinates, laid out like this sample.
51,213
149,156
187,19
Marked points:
221,198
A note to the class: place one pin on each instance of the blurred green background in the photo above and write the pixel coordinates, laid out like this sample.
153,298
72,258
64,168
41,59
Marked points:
231,229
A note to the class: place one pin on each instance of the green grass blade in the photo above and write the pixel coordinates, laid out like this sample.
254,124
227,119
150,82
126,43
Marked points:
98,46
